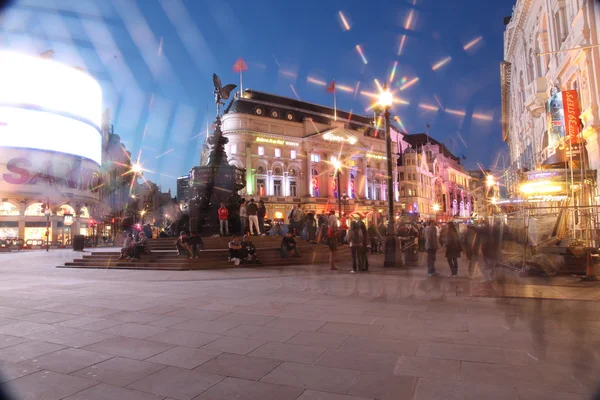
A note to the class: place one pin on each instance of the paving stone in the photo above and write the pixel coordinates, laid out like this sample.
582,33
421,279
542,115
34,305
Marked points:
385,363
166,322
531,394
119,371
27,350
110,392
137,317
8,312
316,395
67,360
162,309
8,341
80,321
100,325
262,333
352,329
383,386
179,383
231,344
53,334
83,339
183,357
196,313
316,377
319,339
46,317
238,366
244,319
295,324
234,388
184,338
461,352
378,345
48,385
10,371
199,325
289,352
24,328
437,389
131,330
138,349
424,367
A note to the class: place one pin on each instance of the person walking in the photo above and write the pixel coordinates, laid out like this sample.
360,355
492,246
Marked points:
224,220
252,211
354,237
298,220
471,246
333,246
260,213
243,217
453,248
431,246
364,260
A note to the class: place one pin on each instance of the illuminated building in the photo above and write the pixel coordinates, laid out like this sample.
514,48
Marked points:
289,148
51,140
183,188
551,93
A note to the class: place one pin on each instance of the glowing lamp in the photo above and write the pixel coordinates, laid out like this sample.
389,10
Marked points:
68,219
337,164
136,168
278,215
386,98
436,207
490,181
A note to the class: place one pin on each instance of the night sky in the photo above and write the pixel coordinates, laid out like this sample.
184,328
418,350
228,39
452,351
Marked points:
155,58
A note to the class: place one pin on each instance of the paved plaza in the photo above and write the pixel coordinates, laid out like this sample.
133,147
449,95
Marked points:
302,332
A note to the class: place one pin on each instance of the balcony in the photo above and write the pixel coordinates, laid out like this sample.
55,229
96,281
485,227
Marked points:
536,94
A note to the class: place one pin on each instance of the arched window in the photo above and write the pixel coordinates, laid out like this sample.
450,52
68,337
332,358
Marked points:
7,208
65,209
84,212
35,210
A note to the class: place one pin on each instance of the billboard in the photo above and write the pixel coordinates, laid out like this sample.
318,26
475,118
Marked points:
30,129
41,84
563,128
43,173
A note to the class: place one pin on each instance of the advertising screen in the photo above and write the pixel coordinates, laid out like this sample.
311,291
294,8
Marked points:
29,129
37,83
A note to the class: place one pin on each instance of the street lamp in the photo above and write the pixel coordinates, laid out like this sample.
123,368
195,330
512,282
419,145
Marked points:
47,212
385,101
142,213
338,166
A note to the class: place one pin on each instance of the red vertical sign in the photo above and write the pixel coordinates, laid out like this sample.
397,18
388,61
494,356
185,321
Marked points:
572,112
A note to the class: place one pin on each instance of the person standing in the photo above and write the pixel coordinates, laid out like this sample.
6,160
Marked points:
309,222
298,220
453,248
354,237
260,213
224,220
431,246
291,225
364,260
333,246
343,229
252,211
243,217
471,246
374,237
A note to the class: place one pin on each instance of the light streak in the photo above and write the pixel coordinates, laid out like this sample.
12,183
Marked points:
160,46
409,20
295,93
472,43
441,63
401,46
369,94
393,71
356,89
362,55
462,140
456,112
398,100
378,85
344,20
166,152
483,117
316,81
397,119
344,88
288,73
409,83
438,101
428,107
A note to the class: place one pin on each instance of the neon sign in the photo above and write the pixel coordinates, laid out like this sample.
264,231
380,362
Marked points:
330,137
276,141
376,156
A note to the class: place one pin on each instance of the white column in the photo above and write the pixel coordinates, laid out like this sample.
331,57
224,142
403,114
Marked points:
286,189
270,189
308,172
250,189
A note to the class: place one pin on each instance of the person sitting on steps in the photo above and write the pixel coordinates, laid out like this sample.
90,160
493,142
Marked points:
183,248
288,245
235,250
249,251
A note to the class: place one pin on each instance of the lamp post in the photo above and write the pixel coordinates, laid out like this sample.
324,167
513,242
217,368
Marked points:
385,101
47,212
338,166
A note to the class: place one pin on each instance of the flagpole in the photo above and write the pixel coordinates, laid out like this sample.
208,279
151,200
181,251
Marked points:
241,86
334,102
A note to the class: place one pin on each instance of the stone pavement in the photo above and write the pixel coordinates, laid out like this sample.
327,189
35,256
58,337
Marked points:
301,333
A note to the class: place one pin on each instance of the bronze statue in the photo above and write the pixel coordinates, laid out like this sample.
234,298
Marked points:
221,93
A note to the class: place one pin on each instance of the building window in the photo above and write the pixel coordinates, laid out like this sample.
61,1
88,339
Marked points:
260,186
277,153
293,189
315,158
377,192
261,151
401,176
293,154
277,187
332,159
233,148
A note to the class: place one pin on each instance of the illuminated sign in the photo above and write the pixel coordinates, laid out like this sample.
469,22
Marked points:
571,112
29,129
34,82
276,141
543,186
330,137
376,156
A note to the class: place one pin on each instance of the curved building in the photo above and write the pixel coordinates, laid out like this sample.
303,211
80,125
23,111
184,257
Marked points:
50,147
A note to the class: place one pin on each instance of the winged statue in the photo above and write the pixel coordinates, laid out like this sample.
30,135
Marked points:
221,92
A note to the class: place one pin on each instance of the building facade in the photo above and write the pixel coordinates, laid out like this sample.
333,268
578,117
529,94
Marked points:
551,57
183,188
290,150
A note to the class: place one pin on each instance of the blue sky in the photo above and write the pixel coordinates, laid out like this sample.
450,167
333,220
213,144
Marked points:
154,60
